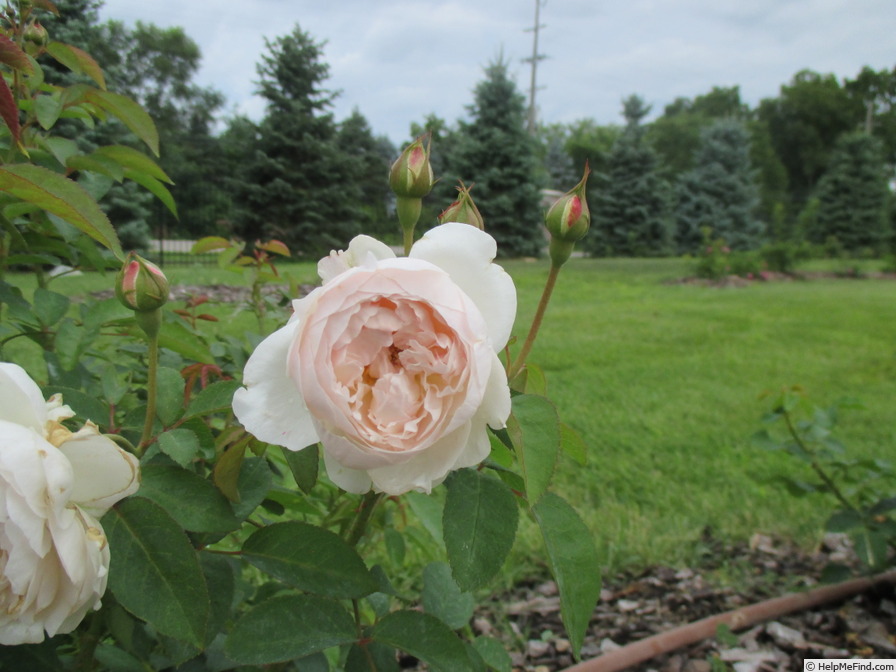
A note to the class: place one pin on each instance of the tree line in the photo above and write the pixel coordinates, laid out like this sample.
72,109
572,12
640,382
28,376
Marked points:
812,164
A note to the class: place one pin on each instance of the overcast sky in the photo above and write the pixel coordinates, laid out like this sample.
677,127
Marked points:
399,60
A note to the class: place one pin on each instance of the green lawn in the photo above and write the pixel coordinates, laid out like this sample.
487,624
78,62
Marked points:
663,382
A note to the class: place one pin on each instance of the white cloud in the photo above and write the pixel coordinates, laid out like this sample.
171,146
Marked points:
398,60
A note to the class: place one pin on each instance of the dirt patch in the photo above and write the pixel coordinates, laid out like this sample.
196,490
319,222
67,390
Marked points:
633,607
737,281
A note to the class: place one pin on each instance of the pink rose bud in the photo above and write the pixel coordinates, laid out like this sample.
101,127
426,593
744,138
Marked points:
568,220
141,285
463,210
411,175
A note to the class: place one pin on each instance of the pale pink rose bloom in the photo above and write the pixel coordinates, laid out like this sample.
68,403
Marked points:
54,486
391,364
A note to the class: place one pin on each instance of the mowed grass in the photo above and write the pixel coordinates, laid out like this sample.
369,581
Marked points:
663,382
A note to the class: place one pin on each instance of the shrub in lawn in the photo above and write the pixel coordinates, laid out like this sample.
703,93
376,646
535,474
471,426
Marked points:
861,491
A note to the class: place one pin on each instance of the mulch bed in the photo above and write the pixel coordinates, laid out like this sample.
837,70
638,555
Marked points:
633,607
737,281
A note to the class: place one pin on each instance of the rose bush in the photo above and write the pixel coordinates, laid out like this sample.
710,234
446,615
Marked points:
54,486
391,364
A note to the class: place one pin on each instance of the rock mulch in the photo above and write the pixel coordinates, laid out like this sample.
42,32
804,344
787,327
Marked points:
633,607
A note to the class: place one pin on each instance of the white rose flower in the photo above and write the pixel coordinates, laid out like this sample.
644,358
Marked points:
54,485
391,364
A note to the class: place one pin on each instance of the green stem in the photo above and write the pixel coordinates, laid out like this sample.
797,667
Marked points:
536,322
817,467
408,210
84,661
368,504
151,389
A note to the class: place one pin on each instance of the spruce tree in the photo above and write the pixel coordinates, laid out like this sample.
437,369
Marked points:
853,197
630,199
720,192
298,187
495,153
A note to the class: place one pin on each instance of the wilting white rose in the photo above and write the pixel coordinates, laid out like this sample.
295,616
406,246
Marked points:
391,364
54,485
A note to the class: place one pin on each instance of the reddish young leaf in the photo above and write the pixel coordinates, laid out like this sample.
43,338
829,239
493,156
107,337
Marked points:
13,56
9,111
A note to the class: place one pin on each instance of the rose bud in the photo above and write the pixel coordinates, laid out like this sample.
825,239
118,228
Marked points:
36,34
411,175
141,285
463,210
568,220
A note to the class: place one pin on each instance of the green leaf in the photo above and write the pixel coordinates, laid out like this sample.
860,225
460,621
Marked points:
153,186
97,164
62,197
429,511
213,399
844,521
32,657
573,445
479,525
154,572
227,472
210,244
493,653
425,637
85,406
77,60
71,341
443,599
170,396
286,627
384,659
47,110
304,465
535,429
128,157
574,563
181,445
49,307
130,114
221,581
254,482
61,148
871,547
309,558
176,337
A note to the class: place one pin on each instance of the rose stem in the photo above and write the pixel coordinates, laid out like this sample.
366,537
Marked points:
151,387
368,504
536,321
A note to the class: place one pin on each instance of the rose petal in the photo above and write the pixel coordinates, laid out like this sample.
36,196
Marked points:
466,253
103,472
362,250
21,400
351,480
426,469
269,405
495,407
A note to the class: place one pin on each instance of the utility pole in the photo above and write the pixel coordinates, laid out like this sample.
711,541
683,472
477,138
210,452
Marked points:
534,59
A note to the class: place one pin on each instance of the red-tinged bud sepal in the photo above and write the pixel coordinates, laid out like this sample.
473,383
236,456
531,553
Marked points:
141,285
463,210
568,221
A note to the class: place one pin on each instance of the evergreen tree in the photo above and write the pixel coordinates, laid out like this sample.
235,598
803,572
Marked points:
720,191
370,163
853,196
298,186
496,153
630,199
